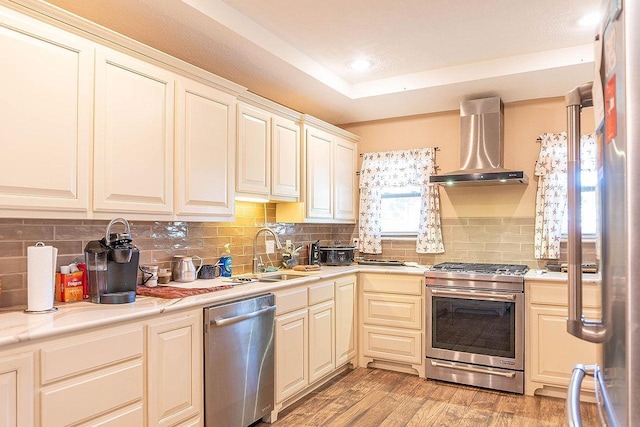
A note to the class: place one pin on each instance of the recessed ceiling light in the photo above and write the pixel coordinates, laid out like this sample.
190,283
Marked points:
590,19
361,65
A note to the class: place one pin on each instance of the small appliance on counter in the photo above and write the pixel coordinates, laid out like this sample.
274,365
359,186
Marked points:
337,254
112,266
183,268
314,253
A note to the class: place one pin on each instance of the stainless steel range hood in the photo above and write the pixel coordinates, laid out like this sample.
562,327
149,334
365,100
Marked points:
481,147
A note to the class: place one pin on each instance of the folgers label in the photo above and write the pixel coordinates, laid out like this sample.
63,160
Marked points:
69,287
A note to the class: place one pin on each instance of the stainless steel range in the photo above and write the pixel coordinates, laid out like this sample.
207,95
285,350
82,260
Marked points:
475,324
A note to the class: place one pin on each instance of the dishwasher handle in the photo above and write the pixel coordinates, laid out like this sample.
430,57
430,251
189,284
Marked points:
220,321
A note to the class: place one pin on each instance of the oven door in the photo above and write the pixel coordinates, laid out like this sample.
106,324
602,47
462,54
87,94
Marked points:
476,326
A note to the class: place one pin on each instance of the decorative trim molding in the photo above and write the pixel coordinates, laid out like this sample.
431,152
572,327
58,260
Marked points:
67,21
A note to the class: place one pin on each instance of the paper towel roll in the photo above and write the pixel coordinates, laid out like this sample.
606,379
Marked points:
41,272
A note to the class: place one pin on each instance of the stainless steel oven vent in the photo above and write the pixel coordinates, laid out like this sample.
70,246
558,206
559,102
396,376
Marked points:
481,147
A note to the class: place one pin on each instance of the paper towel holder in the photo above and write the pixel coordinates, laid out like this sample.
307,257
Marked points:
49,310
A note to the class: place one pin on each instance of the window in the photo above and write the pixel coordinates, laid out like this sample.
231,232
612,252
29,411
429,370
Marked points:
588,210
400,211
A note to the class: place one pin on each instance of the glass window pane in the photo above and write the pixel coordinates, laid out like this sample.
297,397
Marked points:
400,210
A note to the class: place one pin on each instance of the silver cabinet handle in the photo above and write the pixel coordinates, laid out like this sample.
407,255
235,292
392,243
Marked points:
220,321
595,332
474,295
472,369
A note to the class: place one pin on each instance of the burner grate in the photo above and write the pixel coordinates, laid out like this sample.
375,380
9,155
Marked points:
500,269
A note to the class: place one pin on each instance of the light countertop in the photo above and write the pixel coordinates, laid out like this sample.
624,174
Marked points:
17,326
554,276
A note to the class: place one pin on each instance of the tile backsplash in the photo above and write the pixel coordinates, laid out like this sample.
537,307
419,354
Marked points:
508,240
158,242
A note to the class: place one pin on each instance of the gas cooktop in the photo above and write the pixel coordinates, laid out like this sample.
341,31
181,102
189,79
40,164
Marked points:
478,268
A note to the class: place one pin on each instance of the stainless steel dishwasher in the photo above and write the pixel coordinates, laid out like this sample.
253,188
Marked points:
238,361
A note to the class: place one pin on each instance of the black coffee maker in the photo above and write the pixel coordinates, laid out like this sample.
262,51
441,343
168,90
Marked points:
112,267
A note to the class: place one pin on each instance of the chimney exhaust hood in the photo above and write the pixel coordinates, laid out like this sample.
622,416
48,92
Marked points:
481,147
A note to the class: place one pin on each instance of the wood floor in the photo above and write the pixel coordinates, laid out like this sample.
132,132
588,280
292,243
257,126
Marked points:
375,397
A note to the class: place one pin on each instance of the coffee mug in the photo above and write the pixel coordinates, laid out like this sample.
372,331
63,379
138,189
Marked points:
209,271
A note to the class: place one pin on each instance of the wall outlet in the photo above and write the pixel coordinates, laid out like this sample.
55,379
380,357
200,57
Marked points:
355,242
271,246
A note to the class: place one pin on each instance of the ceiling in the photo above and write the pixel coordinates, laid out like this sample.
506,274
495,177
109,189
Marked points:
427,55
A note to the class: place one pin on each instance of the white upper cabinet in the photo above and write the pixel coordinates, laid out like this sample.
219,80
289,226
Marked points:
344,182
253,151
285,158
134,135
328,176
47,92
319,166
205,137
268,153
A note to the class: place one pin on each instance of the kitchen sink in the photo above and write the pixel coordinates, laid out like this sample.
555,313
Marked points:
280,277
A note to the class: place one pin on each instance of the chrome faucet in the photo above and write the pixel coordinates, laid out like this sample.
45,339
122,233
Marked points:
256,265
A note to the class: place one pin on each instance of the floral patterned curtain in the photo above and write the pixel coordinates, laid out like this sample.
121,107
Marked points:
398,169
551,198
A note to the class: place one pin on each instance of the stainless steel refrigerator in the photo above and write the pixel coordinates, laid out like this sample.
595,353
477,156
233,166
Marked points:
615,97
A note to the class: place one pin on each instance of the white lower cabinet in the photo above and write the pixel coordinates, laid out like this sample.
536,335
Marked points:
321,340
393,321
175,369
292,354
346,325
550,351
143,373
80,368
16,390
306,336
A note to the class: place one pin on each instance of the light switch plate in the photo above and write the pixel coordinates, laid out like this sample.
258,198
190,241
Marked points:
271,246
355,242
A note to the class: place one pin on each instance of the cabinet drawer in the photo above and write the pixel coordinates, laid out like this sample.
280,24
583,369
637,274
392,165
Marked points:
393,310
392,284
393,344
290,300
321,292
78,400
558,294
89,352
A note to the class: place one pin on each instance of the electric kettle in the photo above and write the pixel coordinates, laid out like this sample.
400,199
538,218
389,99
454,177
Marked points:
183,269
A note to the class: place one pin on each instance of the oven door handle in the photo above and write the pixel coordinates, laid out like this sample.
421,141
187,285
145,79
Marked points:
474,295
472,369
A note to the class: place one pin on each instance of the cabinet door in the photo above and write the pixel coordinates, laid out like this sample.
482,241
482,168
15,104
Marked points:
134,140
16,390
319,173
553,352
344,184
205,130
285,158
174,370
46,117
321,340
253,151
345,319
292,341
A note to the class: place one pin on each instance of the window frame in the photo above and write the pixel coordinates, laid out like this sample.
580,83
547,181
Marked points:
401,235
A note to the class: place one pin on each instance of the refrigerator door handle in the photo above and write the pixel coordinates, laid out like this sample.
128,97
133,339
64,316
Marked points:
575,100
573,396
